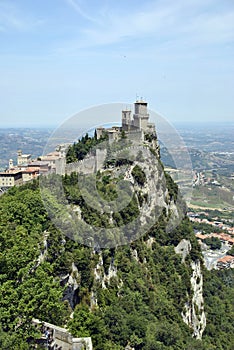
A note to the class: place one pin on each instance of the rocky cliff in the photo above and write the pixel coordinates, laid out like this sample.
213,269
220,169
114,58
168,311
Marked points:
146,294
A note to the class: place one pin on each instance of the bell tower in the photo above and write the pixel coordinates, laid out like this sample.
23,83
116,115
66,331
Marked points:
19,158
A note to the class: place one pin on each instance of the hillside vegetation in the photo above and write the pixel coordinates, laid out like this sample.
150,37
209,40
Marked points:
129,295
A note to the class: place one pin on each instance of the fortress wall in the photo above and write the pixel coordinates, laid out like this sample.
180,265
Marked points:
136,135
100,158
86,166
63,338
60,165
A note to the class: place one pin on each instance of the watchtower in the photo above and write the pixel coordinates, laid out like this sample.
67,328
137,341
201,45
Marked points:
19,158
141,115
126,120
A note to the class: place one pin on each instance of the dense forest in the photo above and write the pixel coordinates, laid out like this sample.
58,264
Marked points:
143,310
128,295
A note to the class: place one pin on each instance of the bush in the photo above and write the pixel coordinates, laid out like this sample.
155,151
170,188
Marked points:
139,175
213,242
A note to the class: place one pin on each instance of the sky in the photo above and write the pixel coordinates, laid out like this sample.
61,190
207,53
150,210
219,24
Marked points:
58,57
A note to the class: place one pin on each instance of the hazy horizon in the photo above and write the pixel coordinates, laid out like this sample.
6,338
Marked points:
175,123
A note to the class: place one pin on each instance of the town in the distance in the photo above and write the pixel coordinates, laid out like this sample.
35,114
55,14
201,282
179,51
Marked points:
211,206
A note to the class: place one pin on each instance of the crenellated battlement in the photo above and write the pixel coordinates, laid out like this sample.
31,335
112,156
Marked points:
134,125
139,121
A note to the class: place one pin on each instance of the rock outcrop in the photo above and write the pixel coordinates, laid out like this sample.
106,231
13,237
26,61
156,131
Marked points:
193,314
72,282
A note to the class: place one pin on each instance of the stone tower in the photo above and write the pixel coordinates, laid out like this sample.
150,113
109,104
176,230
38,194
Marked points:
141,115
11,164
19,158
126,120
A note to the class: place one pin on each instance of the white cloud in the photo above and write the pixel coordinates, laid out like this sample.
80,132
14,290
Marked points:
196,21
12,17
77,6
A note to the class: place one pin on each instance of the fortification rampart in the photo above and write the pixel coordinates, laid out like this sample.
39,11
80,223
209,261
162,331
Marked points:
92,164
60,337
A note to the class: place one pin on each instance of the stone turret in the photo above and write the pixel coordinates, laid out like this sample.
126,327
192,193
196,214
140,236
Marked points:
141,115
134,125
23,158
11,164
126,120
139,122
19,153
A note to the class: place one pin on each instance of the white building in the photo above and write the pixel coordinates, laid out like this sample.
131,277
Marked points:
23,158
10,178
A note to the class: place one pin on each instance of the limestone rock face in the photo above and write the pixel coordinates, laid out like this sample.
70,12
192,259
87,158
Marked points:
99,274
155,196
183,248
194,314
72,284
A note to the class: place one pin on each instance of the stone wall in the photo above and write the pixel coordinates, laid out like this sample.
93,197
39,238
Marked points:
62,338
85,166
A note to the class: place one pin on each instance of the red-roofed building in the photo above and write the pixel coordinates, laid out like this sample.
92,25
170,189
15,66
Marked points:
224,237
226,262
30,173
201,236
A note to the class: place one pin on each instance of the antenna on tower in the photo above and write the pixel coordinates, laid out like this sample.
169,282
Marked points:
137,98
